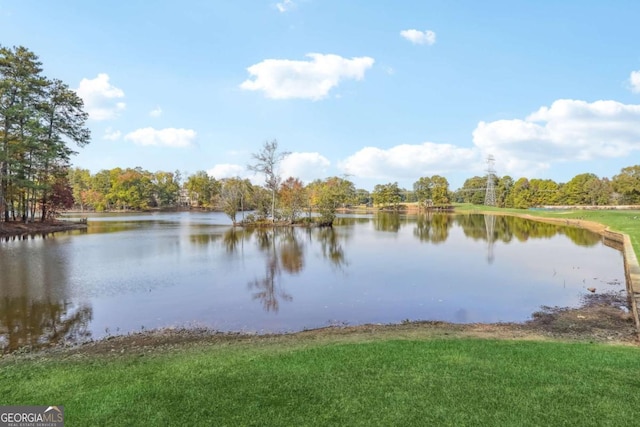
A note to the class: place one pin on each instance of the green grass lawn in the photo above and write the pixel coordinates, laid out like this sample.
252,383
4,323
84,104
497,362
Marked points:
387,382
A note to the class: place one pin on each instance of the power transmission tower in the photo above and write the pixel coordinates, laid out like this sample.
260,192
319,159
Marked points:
490,194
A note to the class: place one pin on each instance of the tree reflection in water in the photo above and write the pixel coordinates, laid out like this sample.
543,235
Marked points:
291,251
28,323
390,221
46,284
331,247
433,227
269,290
505,228
284,247
235,237
204,239
285,253
36,309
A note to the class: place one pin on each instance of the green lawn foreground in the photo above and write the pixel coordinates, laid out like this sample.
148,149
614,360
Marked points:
441,382
372,381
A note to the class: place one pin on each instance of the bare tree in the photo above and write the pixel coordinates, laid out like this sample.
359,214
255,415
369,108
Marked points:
266,162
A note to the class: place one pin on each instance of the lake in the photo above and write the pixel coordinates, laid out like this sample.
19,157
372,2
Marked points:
135,272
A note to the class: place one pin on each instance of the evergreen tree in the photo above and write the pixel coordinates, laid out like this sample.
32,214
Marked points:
38,117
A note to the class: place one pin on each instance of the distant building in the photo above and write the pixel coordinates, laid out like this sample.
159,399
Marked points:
184,200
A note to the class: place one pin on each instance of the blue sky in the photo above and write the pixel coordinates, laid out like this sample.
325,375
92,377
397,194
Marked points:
380,90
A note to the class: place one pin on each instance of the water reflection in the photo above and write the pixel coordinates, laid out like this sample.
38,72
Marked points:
180,269
25,322
332,248
268,289
505,228
490,227
204,239
433,227
291,252
15,237
390,222
234,238
282,252
350,221
36,306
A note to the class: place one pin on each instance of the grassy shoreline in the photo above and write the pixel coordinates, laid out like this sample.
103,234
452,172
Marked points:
386,376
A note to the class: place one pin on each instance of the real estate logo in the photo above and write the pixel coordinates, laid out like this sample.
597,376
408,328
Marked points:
31,416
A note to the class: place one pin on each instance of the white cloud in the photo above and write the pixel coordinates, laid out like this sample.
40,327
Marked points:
409,161
285,6
305,166
286,79
168,137
156,112
427,37
227,170
569,130
112,135
100,97
634,79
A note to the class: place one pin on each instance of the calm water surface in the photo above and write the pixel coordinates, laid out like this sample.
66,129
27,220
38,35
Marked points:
133,272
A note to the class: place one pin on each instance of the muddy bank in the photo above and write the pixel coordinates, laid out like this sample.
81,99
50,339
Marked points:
13,229
602,318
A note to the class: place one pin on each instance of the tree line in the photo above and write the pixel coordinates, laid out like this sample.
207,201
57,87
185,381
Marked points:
585,189
290,200
278,200
39,118
138,189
